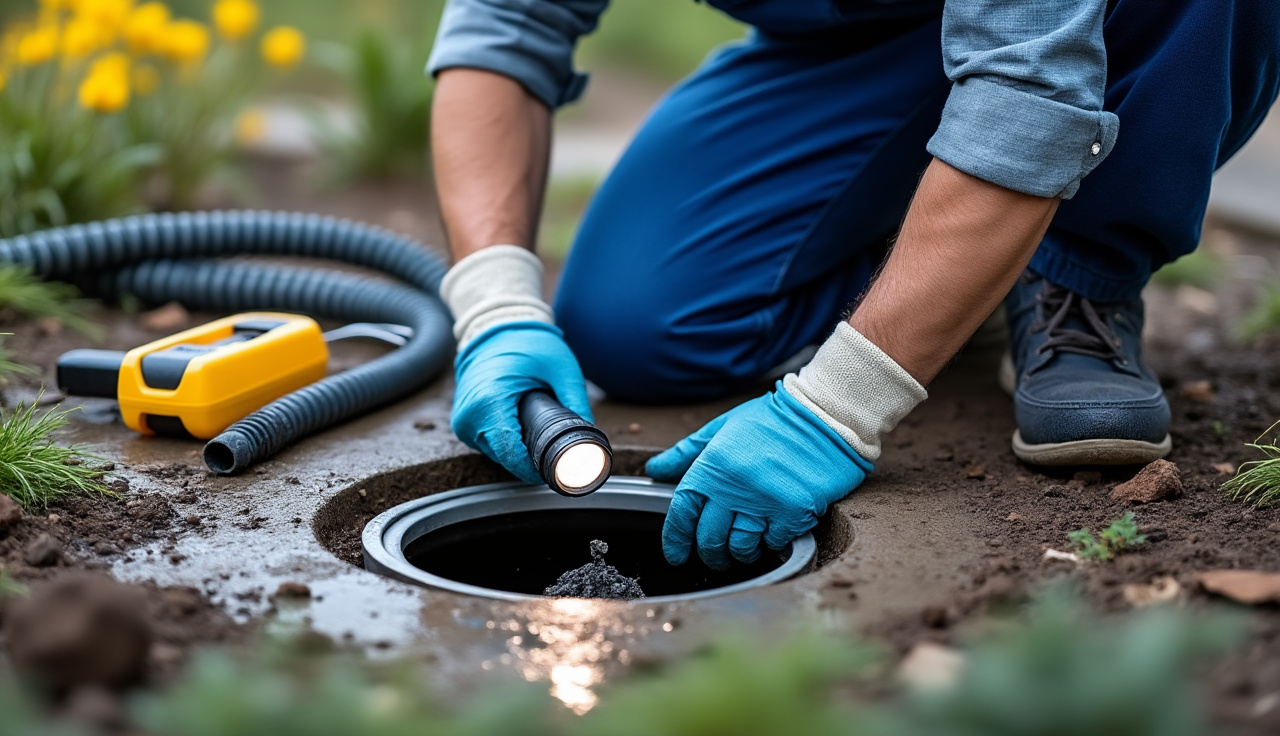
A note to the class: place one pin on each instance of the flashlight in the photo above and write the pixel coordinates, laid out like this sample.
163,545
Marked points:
570,453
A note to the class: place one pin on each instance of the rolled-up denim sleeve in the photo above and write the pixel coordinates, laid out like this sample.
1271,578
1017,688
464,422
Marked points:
530,41
1025,109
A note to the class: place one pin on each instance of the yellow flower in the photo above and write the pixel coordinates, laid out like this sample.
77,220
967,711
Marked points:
81,38
146,79
235,19
38,46
105,89
145,28
115,64
108,15
283,46
186,41
250,126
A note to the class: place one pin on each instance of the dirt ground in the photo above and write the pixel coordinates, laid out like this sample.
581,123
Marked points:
951,455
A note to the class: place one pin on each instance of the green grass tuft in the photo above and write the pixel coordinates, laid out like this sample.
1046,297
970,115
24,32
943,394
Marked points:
1121,536
31,298
1257,482
1200,268
1264,318
33,469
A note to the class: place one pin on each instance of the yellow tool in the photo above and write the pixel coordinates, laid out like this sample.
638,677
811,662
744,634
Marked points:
198,382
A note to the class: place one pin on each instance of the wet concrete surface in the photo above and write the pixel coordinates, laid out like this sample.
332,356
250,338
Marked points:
255,532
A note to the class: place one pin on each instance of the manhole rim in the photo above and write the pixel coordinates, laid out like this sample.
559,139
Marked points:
382,539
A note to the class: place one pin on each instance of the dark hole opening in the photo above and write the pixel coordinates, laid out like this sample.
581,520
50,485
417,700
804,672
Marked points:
527,551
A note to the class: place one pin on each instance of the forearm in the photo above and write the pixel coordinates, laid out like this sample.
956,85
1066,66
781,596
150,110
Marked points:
491,142
962,245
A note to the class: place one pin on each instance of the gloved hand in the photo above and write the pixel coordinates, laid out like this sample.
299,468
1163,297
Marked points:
761,474
494,371
507,346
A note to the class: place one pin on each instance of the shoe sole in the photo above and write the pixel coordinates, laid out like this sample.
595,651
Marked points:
1080,452
1091,452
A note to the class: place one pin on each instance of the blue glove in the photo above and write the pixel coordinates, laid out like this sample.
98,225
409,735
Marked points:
760,474
499,366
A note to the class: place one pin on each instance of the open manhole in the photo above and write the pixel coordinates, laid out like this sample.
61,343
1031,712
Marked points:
512,540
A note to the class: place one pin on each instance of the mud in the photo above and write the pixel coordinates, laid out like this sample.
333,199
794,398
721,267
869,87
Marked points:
596,579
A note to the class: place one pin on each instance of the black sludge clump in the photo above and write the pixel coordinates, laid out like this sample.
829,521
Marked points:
596,579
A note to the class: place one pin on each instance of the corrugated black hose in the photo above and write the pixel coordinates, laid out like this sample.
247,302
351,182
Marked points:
137,255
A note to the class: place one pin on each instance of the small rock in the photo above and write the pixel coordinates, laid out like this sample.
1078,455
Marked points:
72,461
105,548
1013,516
10,512
292,590
977,472
944,456
170,317
1060,556
841,583
1159,480
424,425
43,551
634,428
1198,391
931,666
1251,587
1161,590
1224,468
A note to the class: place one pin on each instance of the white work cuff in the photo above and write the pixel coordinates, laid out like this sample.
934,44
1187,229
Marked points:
493,286
856,389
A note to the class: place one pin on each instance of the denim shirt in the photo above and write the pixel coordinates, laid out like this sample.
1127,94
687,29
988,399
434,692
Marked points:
1028,76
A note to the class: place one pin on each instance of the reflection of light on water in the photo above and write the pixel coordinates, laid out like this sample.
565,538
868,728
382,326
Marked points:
571,685
564,641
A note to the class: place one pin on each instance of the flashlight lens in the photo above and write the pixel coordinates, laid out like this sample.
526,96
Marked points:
581,465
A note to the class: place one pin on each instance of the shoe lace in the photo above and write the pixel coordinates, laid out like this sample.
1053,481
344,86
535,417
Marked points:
1096,339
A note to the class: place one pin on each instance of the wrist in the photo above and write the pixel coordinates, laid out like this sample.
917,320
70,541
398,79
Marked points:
491,287
855,389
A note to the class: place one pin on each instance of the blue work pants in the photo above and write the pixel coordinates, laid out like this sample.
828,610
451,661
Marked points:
757,200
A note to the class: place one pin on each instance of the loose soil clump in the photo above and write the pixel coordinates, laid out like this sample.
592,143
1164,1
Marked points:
1156,482
596,579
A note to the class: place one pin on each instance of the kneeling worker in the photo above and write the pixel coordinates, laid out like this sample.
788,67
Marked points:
1066,147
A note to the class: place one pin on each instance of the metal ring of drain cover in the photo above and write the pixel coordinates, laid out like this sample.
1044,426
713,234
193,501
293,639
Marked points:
386,536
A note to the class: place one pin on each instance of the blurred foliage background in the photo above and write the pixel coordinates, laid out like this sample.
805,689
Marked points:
109,107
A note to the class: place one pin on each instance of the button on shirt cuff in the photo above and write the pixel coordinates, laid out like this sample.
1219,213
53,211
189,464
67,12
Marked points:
1020,140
